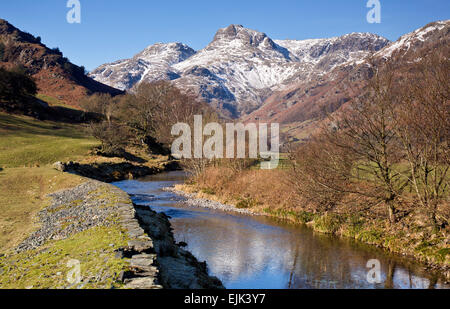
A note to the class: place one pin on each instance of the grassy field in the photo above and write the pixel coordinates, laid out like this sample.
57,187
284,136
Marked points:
53,101
27,148
25,142
22,195
48,268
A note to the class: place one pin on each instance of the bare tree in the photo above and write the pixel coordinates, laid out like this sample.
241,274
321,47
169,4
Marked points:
156,107
367,131
113,137
356,152
422,125
101,104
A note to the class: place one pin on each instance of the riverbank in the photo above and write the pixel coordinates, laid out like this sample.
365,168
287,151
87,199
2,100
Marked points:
195,200
431,251
57,218
107,171
115,243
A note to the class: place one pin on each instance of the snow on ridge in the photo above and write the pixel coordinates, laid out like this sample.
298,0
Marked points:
406,41
153,63
240,66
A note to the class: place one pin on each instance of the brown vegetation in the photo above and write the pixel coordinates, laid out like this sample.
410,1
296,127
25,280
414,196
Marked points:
378,170
53,73
142,119
391,140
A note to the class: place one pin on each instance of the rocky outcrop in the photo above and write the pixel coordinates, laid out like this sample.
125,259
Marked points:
110,172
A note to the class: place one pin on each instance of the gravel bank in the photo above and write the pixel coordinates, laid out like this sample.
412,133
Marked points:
193,201
71,211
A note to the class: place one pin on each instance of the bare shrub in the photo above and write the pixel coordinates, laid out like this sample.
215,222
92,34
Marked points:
113,137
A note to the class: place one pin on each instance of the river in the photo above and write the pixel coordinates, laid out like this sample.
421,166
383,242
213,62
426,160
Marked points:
252,252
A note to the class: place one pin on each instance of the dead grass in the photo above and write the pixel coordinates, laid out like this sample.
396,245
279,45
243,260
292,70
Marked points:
266,188
22,195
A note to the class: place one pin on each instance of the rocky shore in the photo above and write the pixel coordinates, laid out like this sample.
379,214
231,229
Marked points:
194,201
178,268
152,258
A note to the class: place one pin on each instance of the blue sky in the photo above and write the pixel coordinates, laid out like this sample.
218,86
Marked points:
117,29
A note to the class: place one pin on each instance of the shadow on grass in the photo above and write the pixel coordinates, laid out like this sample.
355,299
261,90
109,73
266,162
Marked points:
15,124
124,155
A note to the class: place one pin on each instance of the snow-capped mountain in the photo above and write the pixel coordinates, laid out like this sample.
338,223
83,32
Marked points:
302,105
241,67
153,63
416,39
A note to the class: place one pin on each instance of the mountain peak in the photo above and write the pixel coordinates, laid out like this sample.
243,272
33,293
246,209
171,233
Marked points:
244,35
167,47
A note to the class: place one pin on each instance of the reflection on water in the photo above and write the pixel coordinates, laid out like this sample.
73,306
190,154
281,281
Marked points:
251,252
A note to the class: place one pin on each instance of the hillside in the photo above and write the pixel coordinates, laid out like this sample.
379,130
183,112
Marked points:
302,104
55,76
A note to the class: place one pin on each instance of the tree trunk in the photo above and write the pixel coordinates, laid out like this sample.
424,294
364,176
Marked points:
391,212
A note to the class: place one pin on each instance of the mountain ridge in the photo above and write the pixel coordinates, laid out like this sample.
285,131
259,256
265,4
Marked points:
302,106
240,68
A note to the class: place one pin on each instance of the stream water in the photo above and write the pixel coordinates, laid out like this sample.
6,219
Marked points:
248,252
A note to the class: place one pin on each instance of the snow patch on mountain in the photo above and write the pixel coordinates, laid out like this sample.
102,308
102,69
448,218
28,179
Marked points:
241,67
408,40
153,63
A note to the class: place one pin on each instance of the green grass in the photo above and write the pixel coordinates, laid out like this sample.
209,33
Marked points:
27,148
26,142
23,193
328,223
47,267
208,191
246,203
53,101
301,217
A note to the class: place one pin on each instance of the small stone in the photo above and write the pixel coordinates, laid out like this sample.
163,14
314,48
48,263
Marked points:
119,254
121,276
140,245
59,166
